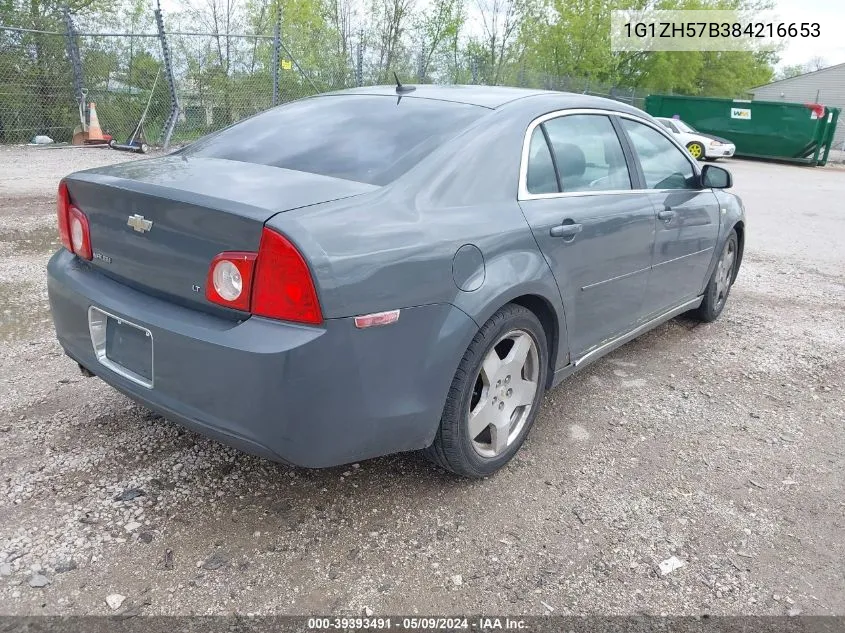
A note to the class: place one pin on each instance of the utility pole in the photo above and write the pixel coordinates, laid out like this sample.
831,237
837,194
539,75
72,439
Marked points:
277,47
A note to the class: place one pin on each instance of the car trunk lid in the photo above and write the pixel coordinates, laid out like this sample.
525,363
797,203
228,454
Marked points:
156,224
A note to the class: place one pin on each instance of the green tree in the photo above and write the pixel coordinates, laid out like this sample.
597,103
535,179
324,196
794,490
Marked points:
790,71
436,29
571,38
501,21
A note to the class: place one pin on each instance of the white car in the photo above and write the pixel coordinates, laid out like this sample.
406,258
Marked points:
700,146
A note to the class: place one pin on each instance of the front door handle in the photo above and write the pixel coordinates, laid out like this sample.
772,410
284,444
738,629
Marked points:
666,215
565,230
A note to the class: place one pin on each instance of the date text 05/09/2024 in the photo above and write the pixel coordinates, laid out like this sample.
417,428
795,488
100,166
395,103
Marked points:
417,623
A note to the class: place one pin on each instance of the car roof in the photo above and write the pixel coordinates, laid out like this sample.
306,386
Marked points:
485,96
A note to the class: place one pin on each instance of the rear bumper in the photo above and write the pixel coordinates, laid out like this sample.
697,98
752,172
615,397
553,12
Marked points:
309,396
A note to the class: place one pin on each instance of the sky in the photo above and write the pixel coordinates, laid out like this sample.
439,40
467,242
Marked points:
830,14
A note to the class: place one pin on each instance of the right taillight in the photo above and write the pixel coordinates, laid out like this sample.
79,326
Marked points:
283,288
73,225
274,283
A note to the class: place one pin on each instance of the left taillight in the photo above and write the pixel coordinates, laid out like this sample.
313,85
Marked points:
73,225
62,210
229,281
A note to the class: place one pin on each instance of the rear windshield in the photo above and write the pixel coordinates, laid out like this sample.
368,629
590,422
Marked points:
371,139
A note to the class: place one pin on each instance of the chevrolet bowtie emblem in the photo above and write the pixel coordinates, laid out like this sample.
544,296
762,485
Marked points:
139,223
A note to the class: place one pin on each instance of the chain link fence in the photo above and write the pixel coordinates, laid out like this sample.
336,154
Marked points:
186,85
122,76
36,85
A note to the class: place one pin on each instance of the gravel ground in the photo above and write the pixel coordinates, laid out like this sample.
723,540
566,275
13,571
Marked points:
720,444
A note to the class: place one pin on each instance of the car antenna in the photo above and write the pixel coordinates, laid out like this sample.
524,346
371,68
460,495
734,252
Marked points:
400,89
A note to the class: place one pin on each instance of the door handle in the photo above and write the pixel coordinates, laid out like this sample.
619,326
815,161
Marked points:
666,215
565,230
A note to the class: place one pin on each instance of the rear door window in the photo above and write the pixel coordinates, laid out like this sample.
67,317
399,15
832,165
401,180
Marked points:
366,138
541,177
587,153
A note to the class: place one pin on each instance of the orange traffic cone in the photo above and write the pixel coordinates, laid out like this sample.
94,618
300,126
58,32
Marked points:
95,133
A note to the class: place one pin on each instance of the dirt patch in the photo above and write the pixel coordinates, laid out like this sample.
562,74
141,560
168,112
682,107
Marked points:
40,240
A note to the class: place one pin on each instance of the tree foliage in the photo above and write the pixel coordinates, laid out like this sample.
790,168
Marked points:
221,77
793,70
572,38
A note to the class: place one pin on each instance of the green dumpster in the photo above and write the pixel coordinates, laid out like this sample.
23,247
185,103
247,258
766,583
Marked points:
796,132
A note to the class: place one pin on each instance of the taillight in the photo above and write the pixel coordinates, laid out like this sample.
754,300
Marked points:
283,288
62,209
73,225
230,280
274,283
80,234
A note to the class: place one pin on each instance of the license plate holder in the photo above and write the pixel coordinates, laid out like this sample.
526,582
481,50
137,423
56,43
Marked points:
124,347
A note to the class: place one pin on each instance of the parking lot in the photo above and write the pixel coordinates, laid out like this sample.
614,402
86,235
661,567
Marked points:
722,445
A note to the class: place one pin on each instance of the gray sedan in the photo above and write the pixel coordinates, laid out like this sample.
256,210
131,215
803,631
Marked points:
388,269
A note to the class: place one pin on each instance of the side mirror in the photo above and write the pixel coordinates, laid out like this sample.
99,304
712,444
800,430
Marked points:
713,177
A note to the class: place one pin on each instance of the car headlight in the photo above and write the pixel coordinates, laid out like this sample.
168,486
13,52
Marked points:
715,143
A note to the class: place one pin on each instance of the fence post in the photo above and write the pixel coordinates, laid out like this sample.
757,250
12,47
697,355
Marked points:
170,125
359,70
474,69
73,55
277,47
421,65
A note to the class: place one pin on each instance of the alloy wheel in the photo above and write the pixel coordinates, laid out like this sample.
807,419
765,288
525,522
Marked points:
724,272
503,393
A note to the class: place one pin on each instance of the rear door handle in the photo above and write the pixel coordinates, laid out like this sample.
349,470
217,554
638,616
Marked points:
666,215
565,230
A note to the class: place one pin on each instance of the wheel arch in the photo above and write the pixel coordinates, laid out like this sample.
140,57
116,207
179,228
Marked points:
545,313
548,311
739,227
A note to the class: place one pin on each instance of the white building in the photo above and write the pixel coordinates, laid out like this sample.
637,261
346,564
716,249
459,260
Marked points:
826,86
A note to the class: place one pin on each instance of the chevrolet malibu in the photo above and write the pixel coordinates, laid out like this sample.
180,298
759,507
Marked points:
388,269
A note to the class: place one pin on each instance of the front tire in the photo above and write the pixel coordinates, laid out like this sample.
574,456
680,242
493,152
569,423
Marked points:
495,395
696,150
719,287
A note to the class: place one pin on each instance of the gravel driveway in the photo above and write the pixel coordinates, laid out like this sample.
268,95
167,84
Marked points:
721,444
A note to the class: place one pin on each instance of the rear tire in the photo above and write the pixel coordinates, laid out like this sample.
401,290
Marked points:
719,287
493,384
